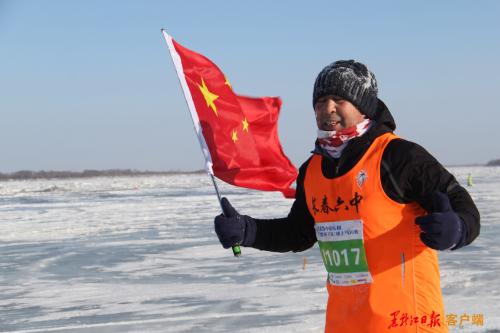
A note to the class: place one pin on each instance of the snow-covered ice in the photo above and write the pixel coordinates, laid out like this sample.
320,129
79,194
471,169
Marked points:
139,254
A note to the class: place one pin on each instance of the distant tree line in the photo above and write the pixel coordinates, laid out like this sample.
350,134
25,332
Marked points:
27,174
494,163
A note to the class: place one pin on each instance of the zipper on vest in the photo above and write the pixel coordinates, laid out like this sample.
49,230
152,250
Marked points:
403,268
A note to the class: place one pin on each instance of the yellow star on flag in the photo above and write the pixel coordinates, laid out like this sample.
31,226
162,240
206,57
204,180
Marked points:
234,136
209,96
227,83
245,124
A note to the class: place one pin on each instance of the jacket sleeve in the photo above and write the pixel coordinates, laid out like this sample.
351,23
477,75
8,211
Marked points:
292,233
410,173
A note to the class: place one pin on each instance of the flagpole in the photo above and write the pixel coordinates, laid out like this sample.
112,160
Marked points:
194,117
216,190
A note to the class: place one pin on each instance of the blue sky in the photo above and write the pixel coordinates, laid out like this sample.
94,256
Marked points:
90,85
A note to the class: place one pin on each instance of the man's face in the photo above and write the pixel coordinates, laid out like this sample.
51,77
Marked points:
334,113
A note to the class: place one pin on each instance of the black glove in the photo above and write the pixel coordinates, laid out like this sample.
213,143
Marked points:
443,228
233,228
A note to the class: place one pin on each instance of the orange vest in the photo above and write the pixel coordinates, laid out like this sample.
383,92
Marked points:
399,291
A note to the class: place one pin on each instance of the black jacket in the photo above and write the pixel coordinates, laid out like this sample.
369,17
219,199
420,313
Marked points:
408,173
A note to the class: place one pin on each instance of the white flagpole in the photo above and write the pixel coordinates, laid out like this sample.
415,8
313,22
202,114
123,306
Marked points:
176,59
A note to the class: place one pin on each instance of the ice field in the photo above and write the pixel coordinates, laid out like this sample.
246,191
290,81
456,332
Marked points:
139,254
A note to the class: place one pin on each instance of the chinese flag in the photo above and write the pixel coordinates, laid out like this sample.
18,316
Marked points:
238,134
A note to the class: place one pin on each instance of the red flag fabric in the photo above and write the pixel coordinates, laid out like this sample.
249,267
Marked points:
238,134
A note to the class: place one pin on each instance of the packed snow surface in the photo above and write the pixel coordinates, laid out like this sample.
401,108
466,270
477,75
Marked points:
139,254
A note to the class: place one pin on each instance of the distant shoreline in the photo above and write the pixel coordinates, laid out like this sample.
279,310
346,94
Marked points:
27,174
51,174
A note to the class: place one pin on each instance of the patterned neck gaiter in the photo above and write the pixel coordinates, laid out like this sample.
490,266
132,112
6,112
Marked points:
334,142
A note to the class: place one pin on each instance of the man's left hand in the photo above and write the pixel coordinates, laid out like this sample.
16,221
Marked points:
443,228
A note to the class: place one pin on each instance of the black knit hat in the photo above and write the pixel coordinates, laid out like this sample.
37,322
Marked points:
350,80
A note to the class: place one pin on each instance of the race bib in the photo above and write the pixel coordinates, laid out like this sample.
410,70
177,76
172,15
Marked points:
343,251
